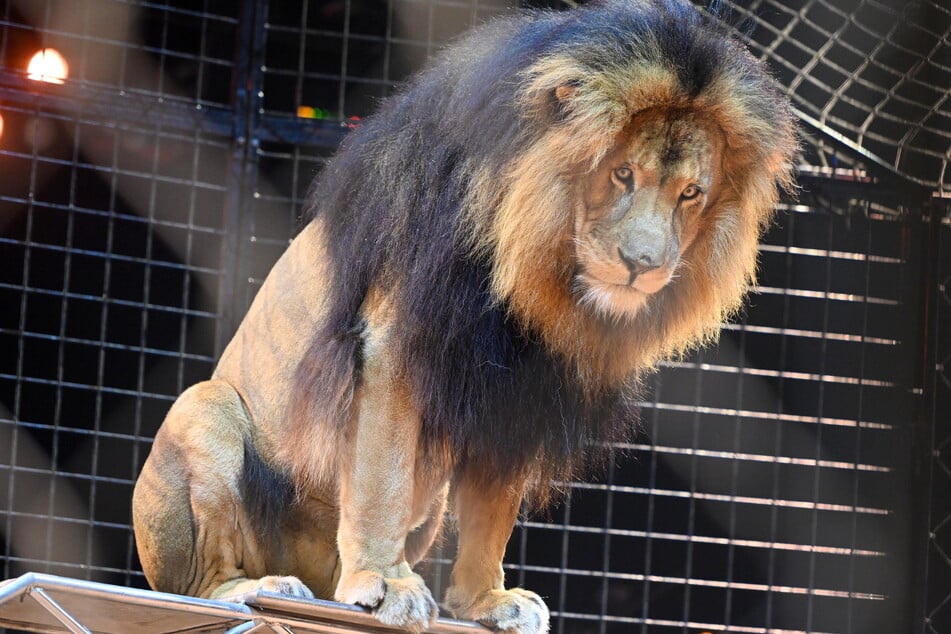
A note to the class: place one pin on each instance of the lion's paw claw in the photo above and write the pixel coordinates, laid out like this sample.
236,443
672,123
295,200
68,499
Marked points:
362,588
514,611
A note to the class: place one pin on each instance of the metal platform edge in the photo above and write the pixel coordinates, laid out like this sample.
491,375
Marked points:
258,612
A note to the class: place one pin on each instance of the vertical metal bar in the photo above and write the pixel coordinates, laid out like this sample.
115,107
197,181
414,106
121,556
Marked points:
563,565
302,56
4,34
143,337
820,410
522,553
606,548
387,45
940,372
344,57
18,385
936,269
61,615
55,459
247,100
649,527
735,474
780,400
200,82
860,400
692,503
107,290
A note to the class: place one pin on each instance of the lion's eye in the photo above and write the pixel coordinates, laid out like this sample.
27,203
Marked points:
624,176
691,192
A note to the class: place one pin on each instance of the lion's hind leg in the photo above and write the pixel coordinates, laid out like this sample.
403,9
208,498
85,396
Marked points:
192,529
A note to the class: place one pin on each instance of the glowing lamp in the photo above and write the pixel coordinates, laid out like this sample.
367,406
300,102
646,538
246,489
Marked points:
48,65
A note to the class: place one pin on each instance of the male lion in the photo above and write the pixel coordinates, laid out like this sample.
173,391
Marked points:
556,204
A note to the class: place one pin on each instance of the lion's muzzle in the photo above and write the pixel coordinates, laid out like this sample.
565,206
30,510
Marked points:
637,264
647,244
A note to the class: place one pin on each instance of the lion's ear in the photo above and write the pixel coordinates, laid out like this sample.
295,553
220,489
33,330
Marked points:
563,98
565,92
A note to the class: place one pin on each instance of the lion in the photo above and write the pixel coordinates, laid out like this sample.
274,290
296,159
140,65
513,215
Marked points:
491,263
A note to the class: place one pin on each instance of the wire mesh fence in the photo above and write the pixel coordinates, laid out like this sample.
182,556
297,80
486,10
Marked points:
872,72
144,201
111,256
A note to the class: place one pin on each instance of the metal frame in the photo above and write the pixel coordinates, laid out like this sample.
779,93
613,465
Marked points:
826,53
932,544
46,603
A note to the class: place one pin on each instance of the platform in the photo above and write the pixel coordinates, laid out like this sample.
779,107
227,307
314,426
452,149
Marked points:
37,602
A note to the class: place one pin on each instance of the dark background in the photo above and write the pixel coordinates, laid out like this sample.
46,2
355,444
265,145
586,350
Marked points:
791,477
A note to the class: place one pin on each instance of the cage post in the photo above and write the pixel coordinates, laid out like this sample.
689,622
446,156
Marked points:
930,562
247,94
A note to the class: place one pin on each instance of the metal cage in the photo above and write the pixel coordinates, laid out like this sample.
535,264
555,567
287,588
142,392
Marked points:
789,479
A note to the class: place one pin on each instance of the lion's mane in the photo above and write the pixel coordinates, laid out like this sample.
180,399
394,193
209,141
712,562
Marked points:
454,200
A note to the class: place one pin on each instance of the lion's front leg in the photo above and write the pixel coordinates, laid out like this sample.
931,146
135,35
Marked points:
486,516
377,499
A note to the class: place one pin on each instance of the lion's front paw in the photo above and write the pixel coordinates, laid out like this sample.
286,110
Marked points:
291,586
401,601
236,589
514,611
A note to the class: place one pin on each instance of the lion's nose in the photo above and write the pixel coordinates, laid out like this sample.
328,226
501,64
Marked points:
639,263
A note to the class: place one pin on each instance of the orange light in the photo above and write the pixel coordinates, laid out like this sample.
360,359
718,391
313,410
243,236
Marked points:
48,65
1,126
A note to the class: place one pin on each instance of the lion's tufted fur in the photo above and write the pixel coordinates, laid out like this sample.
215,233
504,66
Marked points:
454,206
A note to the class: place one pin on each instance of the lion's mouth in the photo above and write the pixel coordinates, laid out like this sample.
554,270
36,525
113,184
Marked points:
645,283
612,290
615,287
607,298
651,281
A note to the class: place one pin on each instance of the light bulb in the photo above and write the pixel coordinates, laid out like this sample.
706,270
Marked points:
48,65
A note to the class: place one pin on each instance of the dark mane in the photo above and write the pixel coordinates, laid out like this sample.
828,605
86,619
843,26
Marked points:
400,214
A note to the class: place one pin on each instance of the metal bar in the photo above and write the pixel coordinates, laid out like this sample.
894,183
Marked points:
284,609
259,612
861,151
925,503
246,627
57,611
233,243
288,625
145,598
87,102
242,171
102,104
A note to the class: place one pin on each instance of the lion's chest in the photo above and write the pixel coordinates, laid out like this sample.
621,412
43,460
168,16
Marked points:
505,400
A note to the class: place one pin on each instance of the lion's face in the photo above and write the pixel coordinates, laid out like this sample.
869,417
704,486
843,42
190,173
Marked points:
642,208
